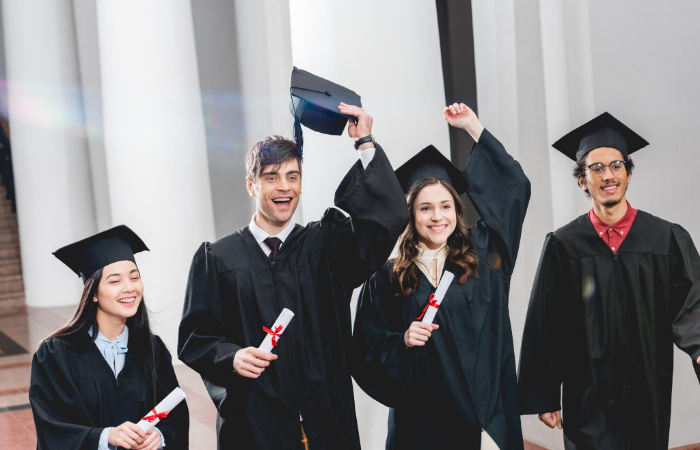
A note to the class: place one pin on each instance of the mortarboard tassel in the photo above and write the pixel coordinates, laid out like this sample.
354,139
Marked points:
298,135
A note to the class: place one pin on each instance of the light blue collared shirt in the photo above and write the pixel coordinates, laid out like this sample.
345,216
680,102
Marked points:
114,352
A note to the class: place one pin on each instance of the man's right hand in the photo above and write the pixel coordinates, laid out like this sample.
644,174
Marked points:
250,362
552,419
126,435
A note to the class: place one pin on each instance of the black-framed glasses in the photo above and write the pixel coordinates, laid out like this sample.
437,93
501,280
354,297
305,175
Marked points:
598,169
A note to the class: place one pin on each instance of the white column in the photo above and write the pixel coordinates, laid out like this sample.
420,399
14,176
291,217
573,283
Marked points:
155,143
49,151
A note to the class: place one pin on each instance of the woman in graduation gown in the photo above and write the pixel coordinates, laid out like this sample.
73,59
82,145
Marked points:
95,378
453,381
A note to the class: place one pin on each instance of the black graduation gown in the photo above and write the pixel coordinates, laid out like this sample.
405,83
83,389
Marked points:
74,395
604,324
234,290
464,378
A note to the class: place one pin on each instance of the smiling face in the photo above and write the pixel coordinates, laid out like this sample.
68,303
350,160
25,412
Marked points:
435,217
609,189
120,291
277,192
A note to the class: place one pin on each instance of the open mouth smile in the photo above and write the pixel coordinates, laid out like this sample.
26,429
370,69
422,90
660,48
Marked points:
127,300
610,189
437,228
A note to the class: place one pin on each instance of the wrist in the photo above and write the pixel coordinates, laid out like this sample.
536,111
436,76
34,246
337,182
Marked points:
475,130
365,142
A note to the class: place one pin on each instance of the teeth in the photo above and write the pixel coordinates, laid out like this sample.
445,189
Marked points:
282,200
127,300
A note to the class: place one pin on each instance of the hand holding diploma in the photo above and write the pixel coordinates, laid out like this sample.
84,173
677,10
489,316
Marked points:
251,362
126,435
419,333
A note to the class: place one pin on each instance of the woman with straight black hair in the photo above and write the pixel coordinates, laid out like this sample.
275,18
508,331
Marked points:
450,383
95,378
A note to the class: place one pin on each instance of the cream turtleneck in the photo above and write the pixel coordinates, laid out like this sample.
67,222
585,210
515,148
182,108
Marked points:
431,263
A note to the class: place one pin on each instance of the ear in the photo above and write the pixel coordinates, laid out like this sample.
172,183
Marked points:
249,187
582,183
94,299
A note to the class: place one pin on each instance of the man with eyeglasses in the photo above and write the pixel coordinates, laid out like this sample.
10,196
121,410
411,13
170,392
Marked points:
614,290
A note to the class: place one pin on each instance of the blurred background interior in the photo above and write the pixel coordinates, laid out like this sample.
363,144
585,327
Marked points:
140,112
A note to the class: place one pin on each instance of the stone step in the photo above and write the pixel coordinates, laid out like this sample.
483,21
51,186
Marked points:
11,303
9,251
11,284
8,223
10,267
10,237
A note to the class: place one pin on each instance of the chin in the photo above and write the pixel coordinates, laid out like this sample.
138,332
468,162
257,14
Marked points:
611,202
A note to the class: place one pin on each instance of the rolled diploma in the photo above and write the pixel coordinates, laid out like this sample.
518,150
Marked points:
284,318
445,282
168,404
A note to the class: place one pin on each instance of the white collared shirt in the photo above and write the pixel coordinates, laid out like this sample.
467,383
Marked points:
261,235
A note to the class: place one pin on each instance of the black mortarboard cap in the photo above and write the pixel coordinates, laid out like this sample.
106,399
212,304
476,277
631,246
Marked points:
603,131
85,257
314,103
428,163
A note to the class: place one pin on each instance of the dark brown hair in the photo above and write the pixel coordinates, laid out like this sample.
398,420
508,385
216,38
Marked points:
273,150
405,273
582,163
140,336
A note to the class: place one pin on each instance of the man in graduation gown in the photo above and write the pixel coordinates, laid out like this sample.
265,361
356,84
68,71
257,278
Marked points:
240,284
615,289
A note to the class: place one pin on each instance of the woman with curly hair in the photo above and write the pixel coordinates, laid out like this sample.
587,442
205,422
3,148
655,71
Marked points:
451,382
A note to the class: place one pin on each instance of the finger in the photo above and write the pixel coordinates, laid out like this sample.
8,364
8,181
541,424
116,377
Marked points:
463,107
133,435
416,343
257,362
149,440
422,331
453,110
558,417
425,326
456,105
137,429
260,354
127,442
419,337
698,359
252,368
435,326
247,374
546,419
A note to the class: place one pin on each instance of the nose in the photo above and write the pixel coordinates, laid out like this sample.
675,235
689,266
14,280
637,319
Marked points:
437,215
607,173
284,185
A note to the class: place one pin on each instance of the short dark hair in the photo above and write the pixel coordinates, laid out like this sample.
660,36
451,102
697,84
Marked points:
273,150
581,164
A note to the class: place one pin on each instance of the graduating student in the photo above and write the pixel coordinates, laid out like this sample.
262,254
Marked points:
240,284
95,378
453,381
615,289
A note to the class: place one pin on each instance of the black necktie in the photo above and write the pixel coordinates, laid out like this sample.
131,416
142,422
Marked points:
274,244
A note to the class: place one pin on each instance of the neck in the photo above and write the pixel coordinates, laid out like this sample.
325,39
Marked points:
430,245
110,326
610,214
270,227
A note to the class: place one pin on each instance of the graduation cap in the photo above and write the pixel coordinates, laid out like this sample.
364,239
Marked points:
87,256
314,103
428,163
603,131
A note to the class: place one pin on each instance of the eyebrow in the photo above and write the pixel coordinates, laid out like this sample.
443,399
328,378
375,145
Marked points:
429,203
117,274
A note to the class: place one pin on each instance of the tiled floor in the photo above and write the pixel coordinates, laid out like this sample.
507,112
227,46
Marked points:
16,422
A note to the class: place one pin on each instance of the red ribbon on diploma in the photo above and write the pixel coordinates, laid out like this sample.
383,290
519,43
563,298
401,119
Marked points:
156,415
275,334
431,302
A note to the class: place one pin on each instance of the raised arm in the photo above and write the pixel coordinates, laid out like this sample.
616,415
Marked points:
373,198
685,295
497,185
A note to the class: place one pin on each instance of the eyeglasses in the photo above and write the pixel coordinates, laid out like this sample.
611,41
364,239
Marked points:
598,169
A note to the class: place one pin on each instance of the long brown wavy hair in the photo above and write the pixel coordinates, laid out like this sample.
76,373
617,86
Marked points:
405,273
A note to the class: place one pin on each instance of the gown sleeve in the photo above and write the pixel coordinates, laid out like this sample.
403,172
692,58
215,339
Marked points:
202,344
60,416
500,192
382,363
540,372
175,428
378,215
685,294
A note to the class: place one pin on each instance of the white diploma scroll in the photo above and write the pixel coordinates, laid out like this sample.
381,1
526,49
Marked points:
162,410
274,333
436,299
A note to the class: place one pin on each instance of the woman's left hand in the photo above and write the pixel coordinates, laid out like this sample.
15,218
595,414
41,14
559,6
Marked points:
461,116
152,441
